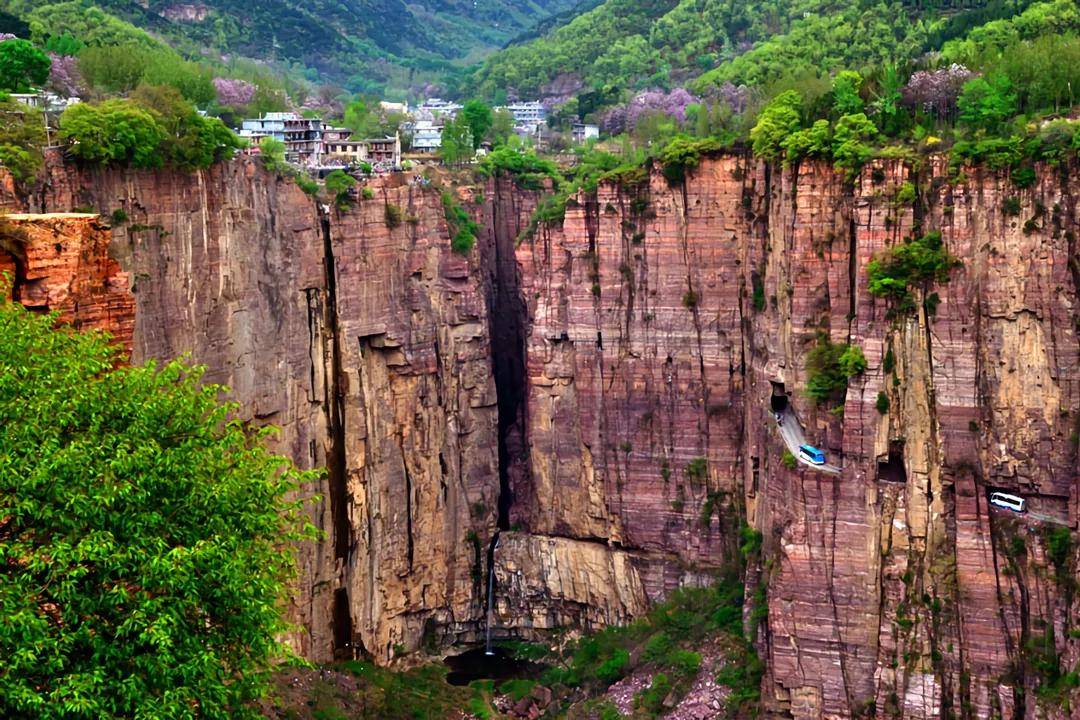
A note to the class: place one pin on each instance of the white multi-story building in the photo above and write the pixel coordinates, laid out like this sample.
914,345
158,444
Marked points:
426,136
271,124
303,137
438,108
527,113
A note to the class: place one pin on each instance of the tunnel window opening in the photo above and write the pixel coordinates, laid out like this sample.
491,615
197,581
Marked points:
779,401
892,469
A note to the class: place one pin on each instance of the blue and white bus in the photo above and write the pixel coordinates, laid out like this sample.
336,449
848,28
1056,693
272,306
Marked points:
811,454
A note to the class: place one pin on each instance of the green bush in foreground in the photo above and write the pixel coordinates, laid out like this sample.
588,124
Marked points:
145,535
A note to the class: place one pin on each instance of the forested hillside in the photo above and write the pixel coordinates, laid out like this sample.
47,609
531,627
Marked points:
365,45
626,44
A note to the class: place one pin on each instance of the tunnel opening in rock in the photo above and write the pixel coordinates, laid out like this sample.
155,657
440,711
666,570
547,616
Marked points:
779,400
891,469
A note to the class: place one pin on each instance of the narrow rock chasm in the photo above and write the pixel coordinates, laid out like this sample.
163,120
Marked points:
507,317
344,647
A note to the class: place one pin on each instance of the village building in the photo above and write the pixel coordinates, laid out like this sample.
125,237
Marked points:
426,136
582,132
303,137
335,134
385,151
388,106
527,113
438,109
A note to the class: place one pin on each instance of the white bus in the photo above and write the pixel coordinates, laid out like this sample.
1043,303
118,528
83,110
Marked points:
1005,500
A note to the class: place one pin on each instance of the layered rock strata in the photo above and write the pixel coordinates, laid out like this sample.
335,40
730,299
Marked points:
601,391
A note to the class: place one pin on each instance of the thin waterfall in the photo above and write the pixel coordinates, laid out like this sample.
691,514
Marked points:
491,592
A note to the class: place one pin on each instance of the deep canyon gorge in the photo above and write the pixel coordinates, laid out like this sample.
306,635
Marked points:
600,394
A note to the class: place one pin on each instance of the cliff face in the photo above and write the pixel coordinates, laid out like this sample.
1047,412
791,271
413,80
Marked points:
366,344
602,394
666,322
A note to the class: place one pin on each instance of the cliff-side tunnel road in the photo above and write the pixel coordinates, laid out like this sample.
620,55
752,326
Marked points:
792,433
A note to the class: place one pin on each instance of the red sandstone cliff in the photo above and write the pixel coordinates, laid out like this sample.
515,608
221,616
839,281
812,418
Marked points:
893,589
610,381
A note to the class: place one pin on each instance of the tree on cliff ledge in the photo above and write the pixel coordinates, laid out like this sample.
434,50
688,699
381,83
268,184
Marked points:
144,535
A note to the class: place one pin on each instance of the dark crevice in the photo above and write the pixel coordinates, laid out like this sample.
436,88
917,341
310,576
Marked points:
408,509
507,316
344,647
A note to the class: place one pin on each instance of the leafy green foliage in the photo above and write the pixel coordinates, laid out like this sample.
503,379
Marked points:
22,66
850,142
651,700
415,693
115,131
22,137
122,68
697,470
742,675
914,263
882,403
457,143
684,153
366,118
339,184
788,459
145,535
778,119
815,141
272,154
986,103
191,140
463,230
528,169
479,118
845,88
828,367
154,127
393,215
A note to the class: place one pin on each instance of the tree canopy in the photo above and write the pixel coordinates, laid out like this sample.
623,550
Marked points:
22,66
144,535
156,126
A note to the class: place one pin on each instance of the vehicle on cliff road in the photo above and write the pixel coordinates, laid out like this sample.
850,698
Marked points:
811,454
1007,501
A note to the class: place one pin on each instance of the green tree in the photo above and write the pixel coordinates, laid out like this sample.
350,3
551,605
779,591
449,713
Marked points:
986,103
850,138
115,131
891,116
814,141
502,127
22,136
778,119
845,88
457,144
22,66
191,140
338,184
479,117
145,535
272,152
